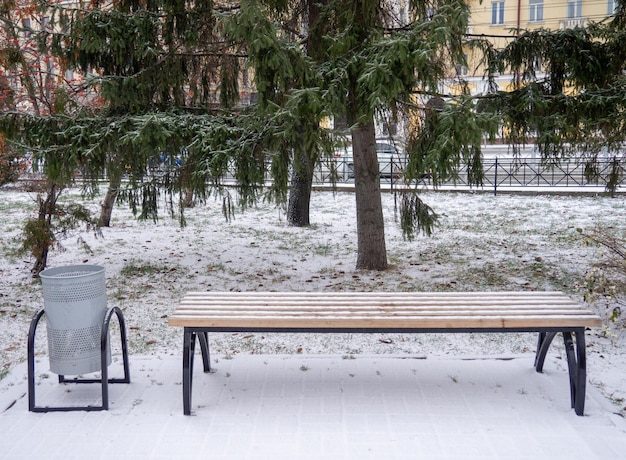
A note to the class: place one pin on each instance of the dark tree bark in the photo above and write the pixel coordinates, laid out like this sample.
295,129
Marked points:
298,207
41,236
106,207
371,252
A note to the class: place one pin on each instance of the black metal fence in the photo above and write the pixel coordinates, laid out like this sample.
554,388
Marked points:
500,174
512,174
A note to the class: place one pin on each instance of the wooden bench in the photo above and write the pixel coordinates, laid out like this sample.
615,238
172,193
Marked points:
546,313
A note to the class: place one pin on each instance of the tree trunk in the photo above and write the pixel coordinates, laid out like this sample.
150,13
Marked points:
371,250
188,202
106,207
298,207
41,260
41,234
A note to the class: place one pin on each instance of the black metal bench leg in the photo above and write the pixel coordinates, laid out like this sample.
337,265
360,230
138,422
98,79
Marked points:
577,365
189,339
575,351
203,338
189,349
545,340
581,384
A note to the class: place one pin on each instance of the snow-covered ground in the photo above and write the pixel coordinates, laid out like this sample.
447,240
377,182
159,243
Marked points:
483,242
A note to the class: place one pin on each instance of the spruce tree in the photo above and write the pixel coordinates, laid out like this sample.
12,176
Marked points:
168,74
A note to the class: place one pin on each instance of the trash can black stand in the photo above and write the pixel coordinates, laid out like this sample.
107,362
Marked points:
78,331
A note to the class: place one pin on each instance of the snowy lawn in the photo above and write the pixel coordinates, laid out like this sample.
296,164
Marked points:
508,242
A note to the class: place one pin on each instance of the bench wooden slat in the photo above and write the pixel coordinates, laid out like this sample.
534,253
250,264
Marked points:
404,311
382,322
373,313
322,307
375,296
310,310
322,304
447,294
325,303
321,300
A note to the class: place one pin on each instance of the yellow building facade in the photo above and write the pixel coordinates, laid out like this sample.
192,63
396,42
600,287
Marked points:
501,20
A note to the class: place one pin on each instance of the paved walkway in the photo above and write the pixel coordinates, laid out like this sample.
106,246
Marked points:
317,407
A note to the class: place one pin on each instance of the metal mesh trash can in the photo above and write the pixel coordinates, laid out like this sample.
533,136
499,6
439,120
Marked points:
75,304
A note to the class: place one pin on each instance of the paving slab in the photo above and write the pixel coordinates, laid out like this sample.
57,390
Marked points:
316,407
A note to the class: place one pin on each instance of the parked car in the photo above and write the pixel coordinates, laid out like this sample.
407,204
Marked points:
391,158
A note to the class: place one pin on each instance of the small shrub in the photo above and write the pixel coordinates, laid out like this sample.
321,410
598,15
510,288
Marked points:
607,279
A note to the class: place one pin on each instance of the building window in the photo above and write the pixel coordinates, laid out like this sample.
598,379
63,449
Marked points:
574,8
461,68
390,129
536,11
497,12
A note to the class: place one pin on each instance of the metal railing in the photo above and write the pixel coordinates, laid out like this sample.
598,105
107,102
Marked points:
498,173
505,174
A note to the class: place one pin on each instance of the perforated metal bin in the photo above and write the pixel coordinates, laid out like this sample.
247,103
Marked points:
75,304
